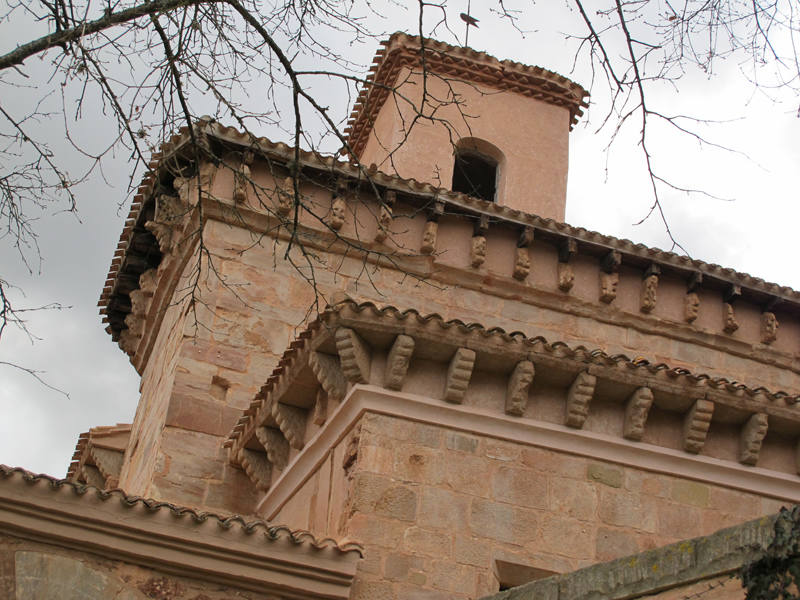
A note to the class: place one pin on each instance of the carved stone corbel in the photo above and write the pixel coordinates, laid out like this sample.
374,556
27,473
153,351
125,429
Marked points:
354,355
135,324
458,375
276,446
397,362
753,433
128,342
328,371
292,422
729,322
319,413
242,178
257,467
566,275
579,396
636,411
649,293
691,302
609,276
148,281
518,385
431,229
769,327
140,302
477,251
284,193
385,216
522,258
696,424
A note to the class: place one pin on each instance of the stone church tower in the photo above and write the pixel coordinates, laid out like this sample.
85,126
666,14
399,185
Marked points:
411,350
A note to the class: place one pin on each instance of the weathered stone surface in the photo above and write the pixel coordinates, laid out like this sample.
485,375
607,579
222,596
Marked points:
729,322
458,375
578,398
292,422
518,384
397,361
477,251
284,195
276,446
769,327
337,214
696,424
753,433
608,287
522,263
649,294
636,411
566,276
429,234
354,355
328,371
384,223
691,307
676,566
257,467
605,474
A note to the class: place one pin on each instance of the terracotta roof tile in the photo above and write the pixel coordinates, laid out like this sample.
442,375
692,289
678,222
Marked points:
12,475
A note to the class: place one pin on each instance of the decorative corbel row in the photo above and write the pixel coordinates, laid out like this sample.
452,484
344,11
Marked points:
696,424
431,229
729,322
458,375
752,436
397,362
242,178
609,276
276,446
327,369
338,206
636,411
257,466
579,396
385,216
292,422
691,303
566,275
518,385
478,244
649,293
522,258
354,355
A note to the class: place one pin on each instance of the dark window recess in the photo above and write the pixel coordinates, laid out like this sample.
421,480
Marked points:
475,175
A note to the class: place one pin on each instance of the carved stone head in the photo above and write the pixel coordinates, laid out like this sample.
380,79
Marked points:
608,286
769,327
691,307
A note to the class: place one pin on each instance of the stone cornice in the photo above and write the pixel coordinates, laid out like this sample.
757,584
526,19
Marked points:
227,551
644,575
363,399
752,289
402,50
343,342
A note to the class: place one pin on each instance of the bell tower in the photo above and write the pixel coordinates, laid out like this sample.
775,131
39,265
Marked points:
462,120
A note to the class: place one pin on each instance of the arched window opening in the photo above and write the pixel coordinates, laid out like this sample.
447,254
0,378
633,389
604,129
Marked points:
475,174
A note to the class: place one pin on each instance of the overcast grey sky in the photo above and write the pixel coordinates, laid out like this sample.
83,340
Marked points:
754,233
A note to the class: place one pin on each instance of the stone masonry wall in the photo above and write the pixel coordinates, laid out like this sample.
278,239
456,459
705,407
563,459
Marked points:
211,357
437,508
31,570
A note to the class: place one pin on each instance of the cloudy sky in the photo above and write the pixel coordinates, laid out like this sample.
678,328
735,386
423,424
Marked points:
753,231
